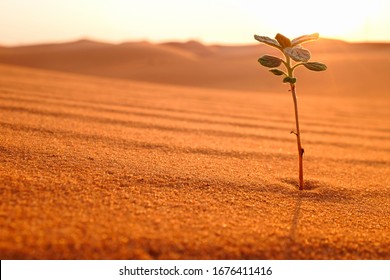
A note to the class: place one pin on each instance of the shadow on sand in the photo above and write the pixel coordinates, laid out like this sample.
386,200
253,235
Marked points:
315,190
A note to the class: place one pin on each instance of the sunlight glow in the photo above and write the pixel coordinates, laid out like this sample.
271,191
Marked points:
345,20
217,21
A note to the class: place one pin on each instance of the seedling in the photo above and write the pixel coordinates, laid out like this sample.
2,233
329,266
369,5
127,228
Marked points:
291,50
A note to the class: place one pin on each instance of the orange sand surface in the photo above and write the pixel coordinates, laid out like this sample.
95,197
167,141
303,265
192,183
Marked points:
98,166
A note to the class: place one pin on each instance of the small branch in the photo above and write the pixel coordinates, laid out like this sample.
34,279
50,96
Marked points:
285,64
296,65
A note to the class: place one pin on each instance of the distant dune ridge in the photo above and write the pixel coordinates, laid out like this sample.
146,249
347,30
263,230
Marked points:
184,151
194,64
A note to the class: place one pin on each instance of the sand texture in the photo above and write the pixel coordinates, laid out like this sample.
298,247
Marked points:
99,163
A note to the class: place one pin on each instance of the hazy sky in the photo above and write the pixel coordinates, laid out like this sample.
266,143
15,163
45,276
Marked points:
210,21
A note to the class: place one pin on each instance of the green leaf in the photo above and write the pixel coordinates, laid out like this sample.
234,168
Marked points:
315,66
283,40
298,53
290,80
304,38
277,72
268,41
270,61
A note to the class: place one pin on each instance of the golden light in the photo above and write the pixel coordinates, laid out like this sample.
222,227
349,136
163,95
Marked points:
347,20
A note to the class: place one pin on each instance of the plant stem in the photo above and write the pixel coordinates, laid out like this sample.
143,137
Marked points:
298,134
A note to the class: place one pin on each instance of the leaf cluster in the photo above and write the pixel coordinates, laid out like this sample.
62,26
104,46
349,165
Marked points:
292,50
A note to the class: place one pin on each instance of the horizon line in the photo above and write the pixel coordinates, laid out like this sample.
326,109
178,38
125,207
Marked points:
157,42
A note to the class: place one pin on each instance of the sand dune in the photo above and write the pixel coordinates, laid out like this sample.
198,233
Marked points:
354,68
105,162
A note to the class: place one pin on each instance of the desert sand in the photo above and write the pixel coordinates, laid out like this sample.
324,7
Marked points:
184,151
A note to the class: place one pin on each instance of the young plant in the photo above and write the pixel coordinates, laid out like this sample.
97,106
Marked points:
292,50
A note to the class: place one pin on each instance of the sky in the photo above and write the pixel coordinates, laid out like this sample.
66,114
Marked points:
24,22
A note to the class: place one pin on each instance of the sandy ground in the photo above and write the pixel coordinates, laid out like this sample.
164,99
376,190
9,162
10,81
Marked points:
102,168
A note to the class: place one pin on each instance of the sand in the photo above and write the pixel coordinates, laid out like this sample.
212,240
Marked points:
97,166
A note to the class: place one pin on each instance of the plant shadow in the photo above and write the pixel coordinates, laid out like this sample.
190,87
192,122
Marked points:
318,191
